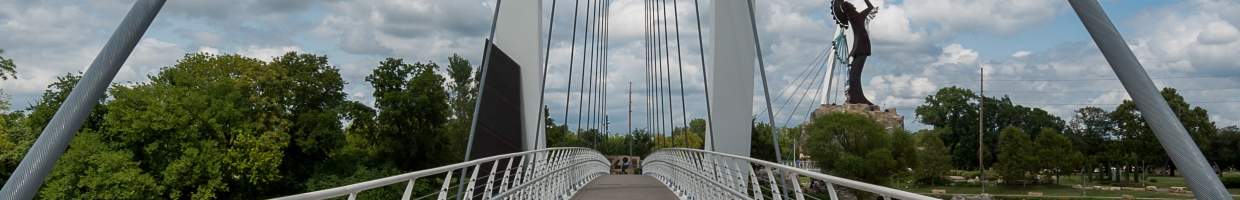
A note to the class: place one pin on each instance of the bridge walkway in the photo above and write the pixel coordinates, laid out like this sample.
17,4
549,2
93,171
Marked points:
624,187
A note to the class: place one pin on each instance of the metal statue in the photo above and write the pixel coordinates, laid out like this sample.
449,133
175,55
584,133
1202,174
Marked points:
847,17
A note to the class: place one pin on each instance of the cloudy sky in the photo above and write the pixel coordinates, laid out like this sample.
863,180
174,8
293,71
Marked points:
1036,52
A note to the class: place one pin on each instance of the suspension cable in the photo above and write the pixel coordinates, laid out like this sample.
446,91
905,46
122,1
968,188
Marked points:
766,90
654,71
817,90
590,82
710,129
541,131
667,73
802,76
585,57
681,70
595,117
572,53
646,42
799,85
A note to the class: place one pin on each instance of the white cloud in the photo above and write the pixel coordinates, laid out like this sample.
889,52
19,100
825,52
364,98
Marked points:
956,54
1021,54
1005,17
267,53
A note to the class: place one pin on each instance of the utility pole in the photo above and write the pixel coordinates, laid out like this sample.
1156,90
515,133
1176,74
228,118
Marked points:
981,109
629,138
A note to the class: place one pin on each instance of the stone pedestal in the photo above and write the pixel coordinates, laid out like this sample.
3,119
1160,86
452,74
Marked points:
888,118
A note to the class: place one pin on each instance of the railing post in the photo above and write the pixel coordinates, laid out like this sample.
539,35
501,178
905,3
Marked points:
831,191
408,189
757,187
486,192
443,191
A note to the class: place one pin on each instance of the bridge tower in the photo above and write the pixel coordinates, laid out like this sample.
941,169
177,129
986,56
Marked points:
730,74
507,118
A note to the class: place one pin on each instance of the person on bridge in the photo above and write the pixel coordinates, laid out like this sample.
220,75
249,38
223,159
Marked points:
846,14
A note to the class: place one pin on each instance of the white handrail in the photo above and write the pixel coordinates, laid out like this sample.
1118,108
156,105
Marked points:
669,165
544,163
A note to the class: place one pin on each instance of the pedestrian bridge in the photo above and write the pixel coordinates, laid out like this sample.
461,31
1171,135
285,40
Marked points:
512,100
583,173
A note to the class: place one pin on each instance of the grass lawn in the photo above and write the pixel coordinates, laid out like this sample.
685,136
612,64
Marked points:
1064,188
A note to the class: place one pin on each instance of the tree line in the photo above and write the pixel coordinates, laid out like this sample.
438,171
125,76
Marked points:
1021,145
234,127
1023,142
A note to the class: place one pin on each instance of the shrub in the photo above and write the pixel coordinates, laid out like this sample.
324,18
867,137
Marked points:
1231,181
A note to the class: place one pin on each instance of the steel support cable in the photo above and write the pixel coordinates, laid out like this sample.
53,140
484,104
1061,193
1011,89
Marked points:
800,94
654,72
705,82
51,143
486,61
658,68
803,88
607,66
681,70
596,100
599,121
587,68
652,87
588,81
817,91
833,94
667,69
766,90
803,75
664,82
540,133
649,61
572,53
1179,145
602,109
588,105
596,117
656,100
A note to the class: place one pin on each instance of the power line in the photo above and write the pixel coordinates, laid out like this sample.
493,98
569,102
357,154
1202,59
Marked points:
1112,79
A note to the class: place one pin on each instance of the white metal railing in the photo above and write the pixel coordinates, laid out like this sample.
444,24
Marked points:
699,174
552,173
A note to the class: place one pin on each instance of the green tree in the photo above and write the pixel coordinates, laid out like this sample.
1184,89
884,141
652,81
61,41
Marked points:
7,69
557,135
932,158
207,127
1138,142
760,142
955,111
11,131
856,147
90,169
1090,132
1227,148
412,111
310,92
23,133
1016,156
1055,153
642,142
463,94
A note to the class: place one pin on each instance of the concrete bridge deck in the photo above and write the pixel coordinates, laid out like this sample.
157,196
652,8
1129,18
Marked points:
624,187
